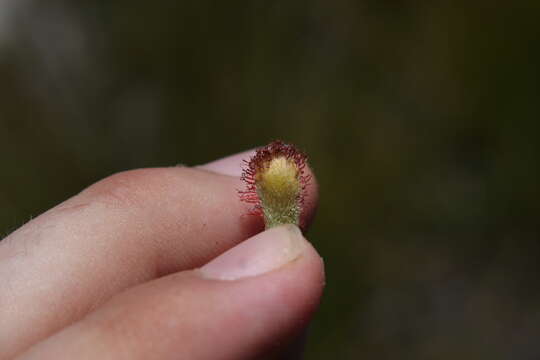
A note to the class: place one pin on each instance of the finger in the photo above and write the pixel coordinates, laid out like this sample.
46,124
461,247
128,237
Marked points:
248,301
129,228
230,165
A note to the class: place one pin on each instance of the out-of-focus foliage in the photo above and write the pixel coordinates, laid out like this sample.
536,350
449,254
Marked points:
421,119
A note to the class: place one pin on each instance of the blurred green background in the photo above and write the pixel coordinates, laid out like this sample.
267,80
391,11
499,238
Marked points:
420,119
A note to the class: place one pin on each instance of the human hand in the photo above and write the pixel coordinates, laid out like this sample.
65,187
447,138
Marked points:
124,270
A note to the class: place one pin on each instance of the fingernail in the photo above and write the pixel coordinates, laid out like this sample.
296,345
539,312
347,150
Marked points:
231,165
260,254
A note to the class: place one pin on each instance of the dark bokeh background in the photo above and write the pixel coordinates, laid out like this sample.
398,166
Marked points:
421,119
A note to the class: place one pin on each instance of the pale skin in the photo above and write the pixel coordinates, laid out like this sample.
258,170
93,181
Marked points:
113,273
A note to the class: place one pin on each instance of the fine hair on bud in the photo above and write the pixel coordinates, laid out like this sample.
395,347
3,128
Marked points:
276,183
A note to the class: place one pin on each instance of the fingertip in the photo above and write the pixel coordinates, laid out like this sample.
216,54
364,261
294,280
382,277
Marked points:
311,202
230,165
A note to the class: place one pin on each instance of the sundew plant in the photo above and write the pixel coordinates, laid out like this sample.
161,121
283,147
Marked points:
276,183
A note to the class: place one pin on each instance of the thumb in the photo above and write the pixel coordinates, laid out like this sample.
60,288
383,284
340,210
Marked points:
251,299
